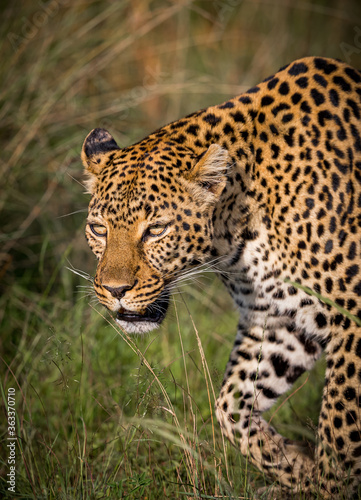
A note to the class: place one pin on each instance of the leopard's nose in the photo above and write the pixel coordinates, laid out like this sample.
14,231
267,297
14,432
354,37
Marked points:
120,291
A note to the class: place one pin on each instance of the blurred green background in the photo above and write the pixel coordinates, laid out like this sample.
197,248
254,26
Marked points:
98,416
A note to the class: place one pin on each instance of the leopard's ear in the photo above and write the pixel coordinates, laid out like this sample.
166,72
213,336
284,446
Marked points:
208,176
97,152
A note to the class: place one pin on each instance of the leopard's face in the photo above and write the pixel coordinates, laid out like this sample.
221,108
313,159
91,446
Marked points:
150,219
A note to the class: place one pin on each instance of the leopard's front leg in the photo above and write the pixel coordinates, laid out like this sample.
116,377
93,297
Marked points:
263,365
338,454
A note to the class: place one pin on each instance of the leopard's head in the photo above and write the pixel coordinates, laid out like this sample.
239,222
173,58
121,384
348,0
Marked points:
149,220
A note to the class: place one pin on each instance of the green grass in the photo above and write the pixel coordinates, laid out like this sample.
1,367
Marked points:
99,415
98,419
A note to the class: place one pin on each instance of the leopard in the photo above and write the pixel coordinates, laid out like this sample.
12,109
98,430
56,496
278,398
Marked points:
265,188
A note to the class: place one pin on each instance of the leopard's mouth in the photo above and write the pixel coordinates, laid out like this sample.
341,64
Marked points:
153,316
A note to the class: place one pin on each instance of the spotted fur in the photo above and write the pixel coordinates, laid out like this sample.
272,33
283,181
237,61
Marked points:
269,185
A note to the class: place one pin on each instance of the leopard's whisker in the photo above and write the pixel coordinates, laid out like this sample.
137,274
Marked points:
80,273
73,213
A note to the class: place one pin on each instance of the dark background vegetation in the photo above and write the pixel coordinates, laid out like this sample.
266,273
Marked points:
98,416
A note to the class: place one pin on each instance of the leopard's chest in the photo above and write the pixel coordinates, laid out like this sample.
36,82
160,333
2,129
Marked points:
257,277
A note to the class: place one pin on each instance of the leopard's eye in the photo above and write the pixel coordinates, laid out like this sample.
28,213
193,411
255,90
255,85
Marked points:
156,230
98,229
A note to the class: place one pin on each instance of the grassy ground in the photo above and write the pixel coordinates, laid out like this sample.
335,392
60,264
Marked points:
99,415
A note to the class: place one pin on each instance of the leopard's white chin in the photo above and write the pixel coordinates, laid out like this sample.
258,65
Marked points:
137,327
